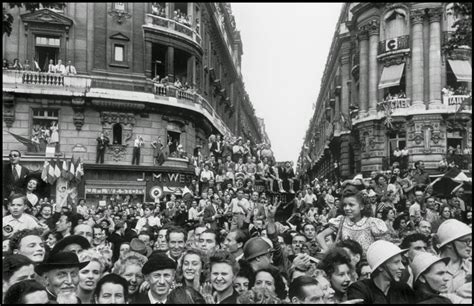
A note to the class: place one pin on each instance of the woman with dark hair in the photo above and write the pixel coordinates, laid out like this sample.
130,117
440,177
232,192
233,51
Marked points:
356,223
45,215
381,186
400,224
26,292
244,277
388,215
51,237
111,289
272,280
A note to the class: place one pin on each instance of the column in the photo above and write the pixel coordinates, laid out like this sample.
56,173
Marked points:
170,63
345,78
148,55
417,59
435,58
363,72
191,72
373,28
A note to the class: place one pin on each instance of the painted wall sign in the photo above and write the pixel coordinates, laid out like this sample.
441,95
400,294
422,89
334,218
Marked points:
79,148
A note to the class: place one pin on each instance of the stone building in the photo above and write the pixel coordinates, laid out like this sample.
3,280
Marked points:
122,52
388,84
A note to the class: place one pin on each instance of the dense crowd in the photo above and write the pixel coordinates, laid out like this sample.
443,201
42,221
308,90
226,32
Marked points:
232,238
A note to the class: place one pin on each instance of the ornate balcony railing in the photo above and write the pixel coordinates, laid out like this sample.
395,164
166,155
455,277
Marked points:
394,44
45,79
172,25
393,104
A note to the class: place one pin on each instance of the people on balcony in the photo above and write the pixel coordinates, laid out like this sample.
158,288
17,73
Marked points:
16,65
400,95
157,10
70,69
6,65
27,66
178,84
60,68
51,67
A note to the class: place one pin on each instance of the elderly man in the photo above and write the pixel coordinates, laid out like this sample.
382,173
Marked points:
61,276
159,272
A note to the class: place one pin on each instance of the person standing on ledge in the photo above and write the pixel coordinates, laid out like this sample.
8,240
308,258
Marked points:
102,142
137,144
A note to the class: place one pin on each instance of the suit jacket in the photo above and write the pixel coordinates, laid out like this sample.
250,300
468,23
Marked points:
9,183
209,212
102,143
141,298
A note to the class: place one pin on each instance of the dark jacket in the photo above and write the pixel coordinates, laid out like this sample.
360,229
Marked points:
398,293
9,182
231,299
425,295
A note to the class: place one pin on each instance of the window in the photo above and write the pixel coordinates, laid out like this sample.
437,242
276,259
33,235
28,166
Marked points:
47,41
118,53
396,140
395,23
119,6
117,133
45,131
174,138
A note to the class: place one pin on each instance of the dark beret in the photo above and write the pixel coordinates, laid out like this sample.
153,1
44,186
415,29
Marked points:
158,261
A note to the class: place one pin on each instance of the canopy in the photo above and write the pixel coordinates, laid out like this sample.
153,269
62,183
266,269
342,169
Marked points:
462,70
391,76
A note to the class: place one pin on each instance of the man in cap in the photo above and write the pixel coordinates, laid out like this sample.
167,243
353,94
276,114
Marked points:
430,278
384,286
73,243
455,243
159,272
60,272
258,252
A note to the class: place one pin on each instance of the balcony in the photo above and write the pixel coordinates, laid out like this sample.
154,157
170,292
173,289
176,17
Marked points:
450,100
393,105
394,44
171,26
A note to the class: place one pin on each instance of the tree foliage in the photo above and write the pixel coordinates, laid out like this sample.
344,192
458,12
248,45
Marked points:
29,6
462,36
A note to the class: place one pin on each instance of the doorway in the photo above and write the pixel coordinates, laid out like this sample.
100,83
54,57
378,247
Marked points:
44,54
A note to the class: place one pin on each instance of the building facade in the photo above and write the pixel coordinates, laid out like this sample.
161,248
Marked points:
122,52
388,84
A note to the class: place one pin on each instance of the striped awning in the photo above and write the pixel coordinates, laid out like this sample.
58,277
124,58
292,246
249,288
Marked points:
391,76
462,70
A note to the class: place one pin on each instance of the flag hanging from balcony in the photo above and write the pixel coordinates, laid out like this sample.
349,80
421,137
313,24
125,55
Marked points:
64,170
44,173
72,170
22,139
57,169
79,170
51,175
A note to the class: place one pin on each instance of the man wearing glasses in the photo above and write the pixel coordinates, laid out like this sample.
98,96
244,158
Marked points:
14,174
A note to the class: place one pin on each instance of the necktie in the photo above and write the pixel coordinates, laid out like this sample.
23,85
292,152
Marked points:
69,69
15,173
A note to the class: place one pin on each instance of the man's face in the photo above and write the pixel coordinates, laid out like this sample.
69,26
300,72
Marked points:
24,273
14,157
32,184
63,280
176,244
313,294
148,212
73,247
424,228
207,242
365,272
419,196
161,281
62,224
17,207
395,267
430,203
99,236
85,231
437,277
146,239
297,244
341,278
310,231
32,246
222,276
464,246
230,244
133,275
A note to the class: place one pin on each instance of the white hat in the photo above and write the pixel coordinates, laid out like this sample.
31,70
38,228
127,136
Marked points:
451,230
423,261
380,251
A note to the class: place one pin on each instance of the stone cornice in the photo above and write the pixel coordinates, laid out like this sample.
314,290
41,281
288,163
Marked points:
119,105
435,14
373,27
363,33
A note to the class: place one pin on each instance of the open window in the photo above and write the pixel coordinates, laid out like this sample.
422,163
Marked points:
45,130
47,49
396,140
117,133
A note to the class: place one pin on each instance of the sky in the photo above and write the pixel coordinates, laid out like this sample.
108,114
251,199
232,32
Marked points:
285,49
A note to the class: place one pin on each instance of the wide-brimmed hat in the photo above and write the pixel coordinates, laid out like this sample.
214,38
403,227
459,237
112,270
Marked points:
138,246
73,239
380,251
60,260
423,261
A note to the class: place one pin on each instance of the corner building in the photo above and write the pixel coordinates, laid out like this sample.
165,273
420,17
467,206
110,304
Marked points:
117,50
383,88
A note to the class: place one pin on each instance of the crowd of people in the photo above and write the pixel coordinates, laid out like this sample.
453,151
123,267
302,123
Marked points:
232,238
460,90
51,67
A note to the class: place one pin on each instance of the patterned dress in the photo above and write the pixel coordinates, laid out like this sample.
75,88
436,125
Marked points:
365,231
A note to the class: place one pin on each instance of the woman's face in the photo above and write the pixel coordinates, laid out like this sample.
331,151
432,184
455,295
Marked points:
32,184
192,266
133,275
382,180
265,280
446,213
241,284
327,289
352,207
46,212
89,276
124,248
111,293
51,240
391,215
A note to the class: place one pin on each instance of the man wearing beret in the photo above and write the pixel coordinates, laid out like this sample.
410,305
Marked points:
60,272
159,272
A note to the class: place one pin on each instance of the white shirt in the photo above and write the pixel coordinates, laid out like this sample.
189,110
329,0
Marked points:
237,209
309,198
153,300
152,221
70,69
11,225
415,209
137,143
60,68
193,214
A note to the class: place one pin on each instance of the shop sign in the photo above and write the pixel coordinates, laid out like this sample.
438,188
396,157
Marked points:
114,190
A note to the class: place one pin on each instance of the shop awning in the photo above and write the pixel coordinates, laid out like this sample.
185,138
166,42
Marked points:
391,76
462,70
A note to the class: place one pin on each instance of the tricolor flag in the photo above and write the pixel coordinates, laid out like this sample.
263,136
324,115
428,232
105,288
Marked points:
79,170
44,174
451,180
72,170
57,170
51,175
64,170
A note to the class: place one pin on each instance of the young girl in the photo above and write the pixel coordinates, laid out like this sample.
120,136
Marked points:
355,224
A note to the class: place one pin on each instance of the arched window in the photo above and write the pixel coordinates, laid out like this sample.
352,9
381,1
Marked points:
395,23
450,17
117,133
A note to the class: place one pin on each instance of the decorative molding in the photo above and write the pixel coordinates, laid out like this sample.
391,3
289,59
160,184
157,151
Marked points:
127,119
395,59
373,27
362,33
435,14
119,16
183,123
118,105
460,54
78,105
119,36
417,16
47,16
117,151
9,109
